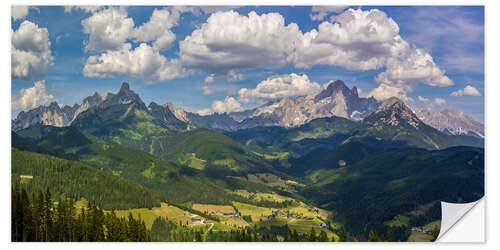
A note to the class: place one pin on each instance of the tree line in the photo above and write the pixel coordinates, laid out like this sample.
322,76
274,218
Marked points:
38,218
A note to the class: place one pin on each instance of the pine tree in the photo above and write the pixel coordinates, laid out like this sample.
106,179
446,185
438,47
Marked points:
312,235
435,233
342,234
390,235
373,237
323,237
198,237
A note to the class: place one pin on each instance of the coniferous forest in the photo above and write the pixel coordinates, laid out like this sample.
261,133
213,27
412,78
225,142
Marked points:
41,218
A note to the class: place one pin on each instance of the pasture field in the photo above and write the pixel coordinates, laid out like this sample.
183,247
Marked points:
419,237
306,225
209,208
262,196
233,222
192,161
255,212
149,215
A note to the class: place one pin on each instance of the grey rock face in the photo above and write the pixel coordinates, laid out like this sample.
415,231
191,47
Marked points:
393,112
452,121
336,100
46,115
61,117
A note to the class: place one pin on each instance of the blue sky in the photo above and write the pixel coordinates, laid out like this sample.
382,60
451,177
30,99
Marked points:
443,53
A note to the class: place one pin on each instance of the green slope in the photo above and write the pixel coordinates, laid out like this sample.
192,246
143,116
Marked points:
324,158
216,149
37,132
179,183
77,180
391,182
334,131
137,129
23,144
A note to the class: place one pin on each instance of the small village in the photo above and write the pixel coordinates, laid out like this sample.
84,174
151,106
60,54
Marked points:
420,230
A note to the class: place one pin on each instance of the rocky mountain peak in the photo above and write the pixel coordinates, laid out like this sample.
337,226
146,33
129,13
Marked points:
354,91
170,106
392,102
124,88
46,115
54,105
393,112
124,97
332,89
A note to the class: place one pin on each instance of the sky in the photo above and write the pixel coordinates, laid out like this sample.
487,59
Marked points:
230,58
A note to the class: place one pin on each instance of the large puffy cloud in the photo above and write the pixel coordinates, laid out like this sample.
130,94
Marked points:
468,90
357,40
278,87
417,66
31,52
108,29
229,41
142,62
32,97
228,105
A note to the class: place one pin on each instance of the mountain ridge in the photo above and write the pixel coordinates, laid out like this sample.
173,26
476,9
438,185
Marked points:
335,100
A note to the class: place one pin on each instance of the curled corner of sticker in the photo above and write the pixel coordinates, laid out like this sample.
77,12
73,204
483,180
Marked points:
451,213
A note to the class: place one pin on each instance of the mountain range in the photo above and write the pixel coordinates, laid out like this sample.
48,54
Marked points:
336,100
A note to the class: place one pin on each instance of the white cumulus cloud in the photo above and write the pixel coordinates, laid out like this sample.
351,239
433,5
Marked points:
32,97
356,40
142,62
31,52
108,29
158,27
384,91
468,90
111,32
276,87
228,105
230,41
